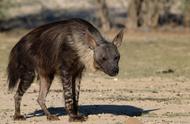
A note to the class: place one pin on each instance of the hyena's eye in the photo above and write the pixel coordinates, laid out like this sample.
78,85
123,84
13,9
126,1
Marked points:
116,58
104,58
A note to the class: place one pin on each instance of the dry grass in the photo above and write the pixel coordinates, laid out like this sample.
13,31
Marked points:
149,54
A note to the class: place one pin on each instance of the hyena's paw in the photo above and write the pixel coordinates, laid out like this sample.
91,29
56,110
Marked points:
78,118
52,118
19,117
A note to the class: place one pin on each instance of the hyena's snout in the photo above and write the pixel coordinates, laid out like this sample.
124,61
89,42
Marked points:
115,71
111,70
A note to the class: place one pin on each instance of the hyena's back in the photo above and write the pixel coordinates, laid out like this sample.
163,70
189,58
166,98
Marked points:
46,48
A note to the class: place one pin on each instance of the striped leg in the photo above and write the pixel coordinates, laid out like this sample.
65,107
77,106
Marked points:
71,103
25,82
45,83
77,88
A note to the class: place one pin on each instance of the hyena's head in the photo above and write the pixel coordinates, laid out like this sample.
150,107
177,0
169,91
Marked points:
107,56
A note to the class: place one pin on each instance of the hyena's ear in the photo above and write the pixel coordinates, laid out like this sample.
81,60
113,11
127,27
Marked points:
118,38
91,41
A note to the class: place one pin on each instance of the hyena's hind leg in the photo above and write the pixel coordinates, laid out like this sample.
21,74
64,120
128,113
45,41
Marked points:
45,83
26,79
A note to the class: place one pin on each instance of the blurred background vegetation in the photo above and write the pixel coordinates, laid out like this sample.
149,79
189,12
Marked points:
108,14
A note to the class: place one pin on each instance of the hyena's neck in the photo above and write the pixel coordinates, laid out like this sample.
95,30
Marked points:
86,56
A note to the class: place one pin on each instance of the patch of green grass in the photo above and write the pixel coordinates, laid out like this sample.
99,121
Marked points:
144,58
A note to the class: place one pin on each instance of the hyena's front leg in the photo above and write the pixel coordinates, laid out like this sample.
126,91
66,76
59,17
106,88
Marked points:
77,88
71,104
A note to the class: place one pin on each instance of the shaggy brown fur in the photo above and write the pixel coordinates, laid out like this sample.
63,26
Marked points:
64,48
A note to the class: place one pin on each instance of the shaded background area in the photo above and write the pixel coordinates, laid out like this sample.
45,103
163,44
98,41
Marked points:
107,14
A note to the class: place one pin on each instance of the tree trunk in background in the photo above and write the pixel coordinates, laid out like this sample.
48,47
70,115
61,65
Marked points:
187,19
132,15
103,14
143,13
150,13
187,13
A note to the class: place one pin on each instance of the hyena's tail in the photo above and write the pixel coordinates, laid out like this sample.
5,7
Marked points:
13,69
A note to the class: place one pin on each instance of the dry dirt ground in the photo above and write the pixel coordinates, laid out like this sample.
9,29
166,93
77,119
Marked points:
109,101
153,86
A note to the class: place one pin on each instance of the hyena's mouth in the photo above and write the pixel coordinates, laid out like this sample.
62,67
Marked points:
108,71
111,72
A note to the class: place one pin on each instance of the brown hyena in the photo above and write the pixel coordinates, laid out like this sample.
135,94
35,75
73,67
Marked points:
66,49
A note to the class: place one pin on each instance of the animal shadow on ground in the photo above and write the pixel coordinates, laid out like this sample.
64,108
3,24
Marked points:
96,109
